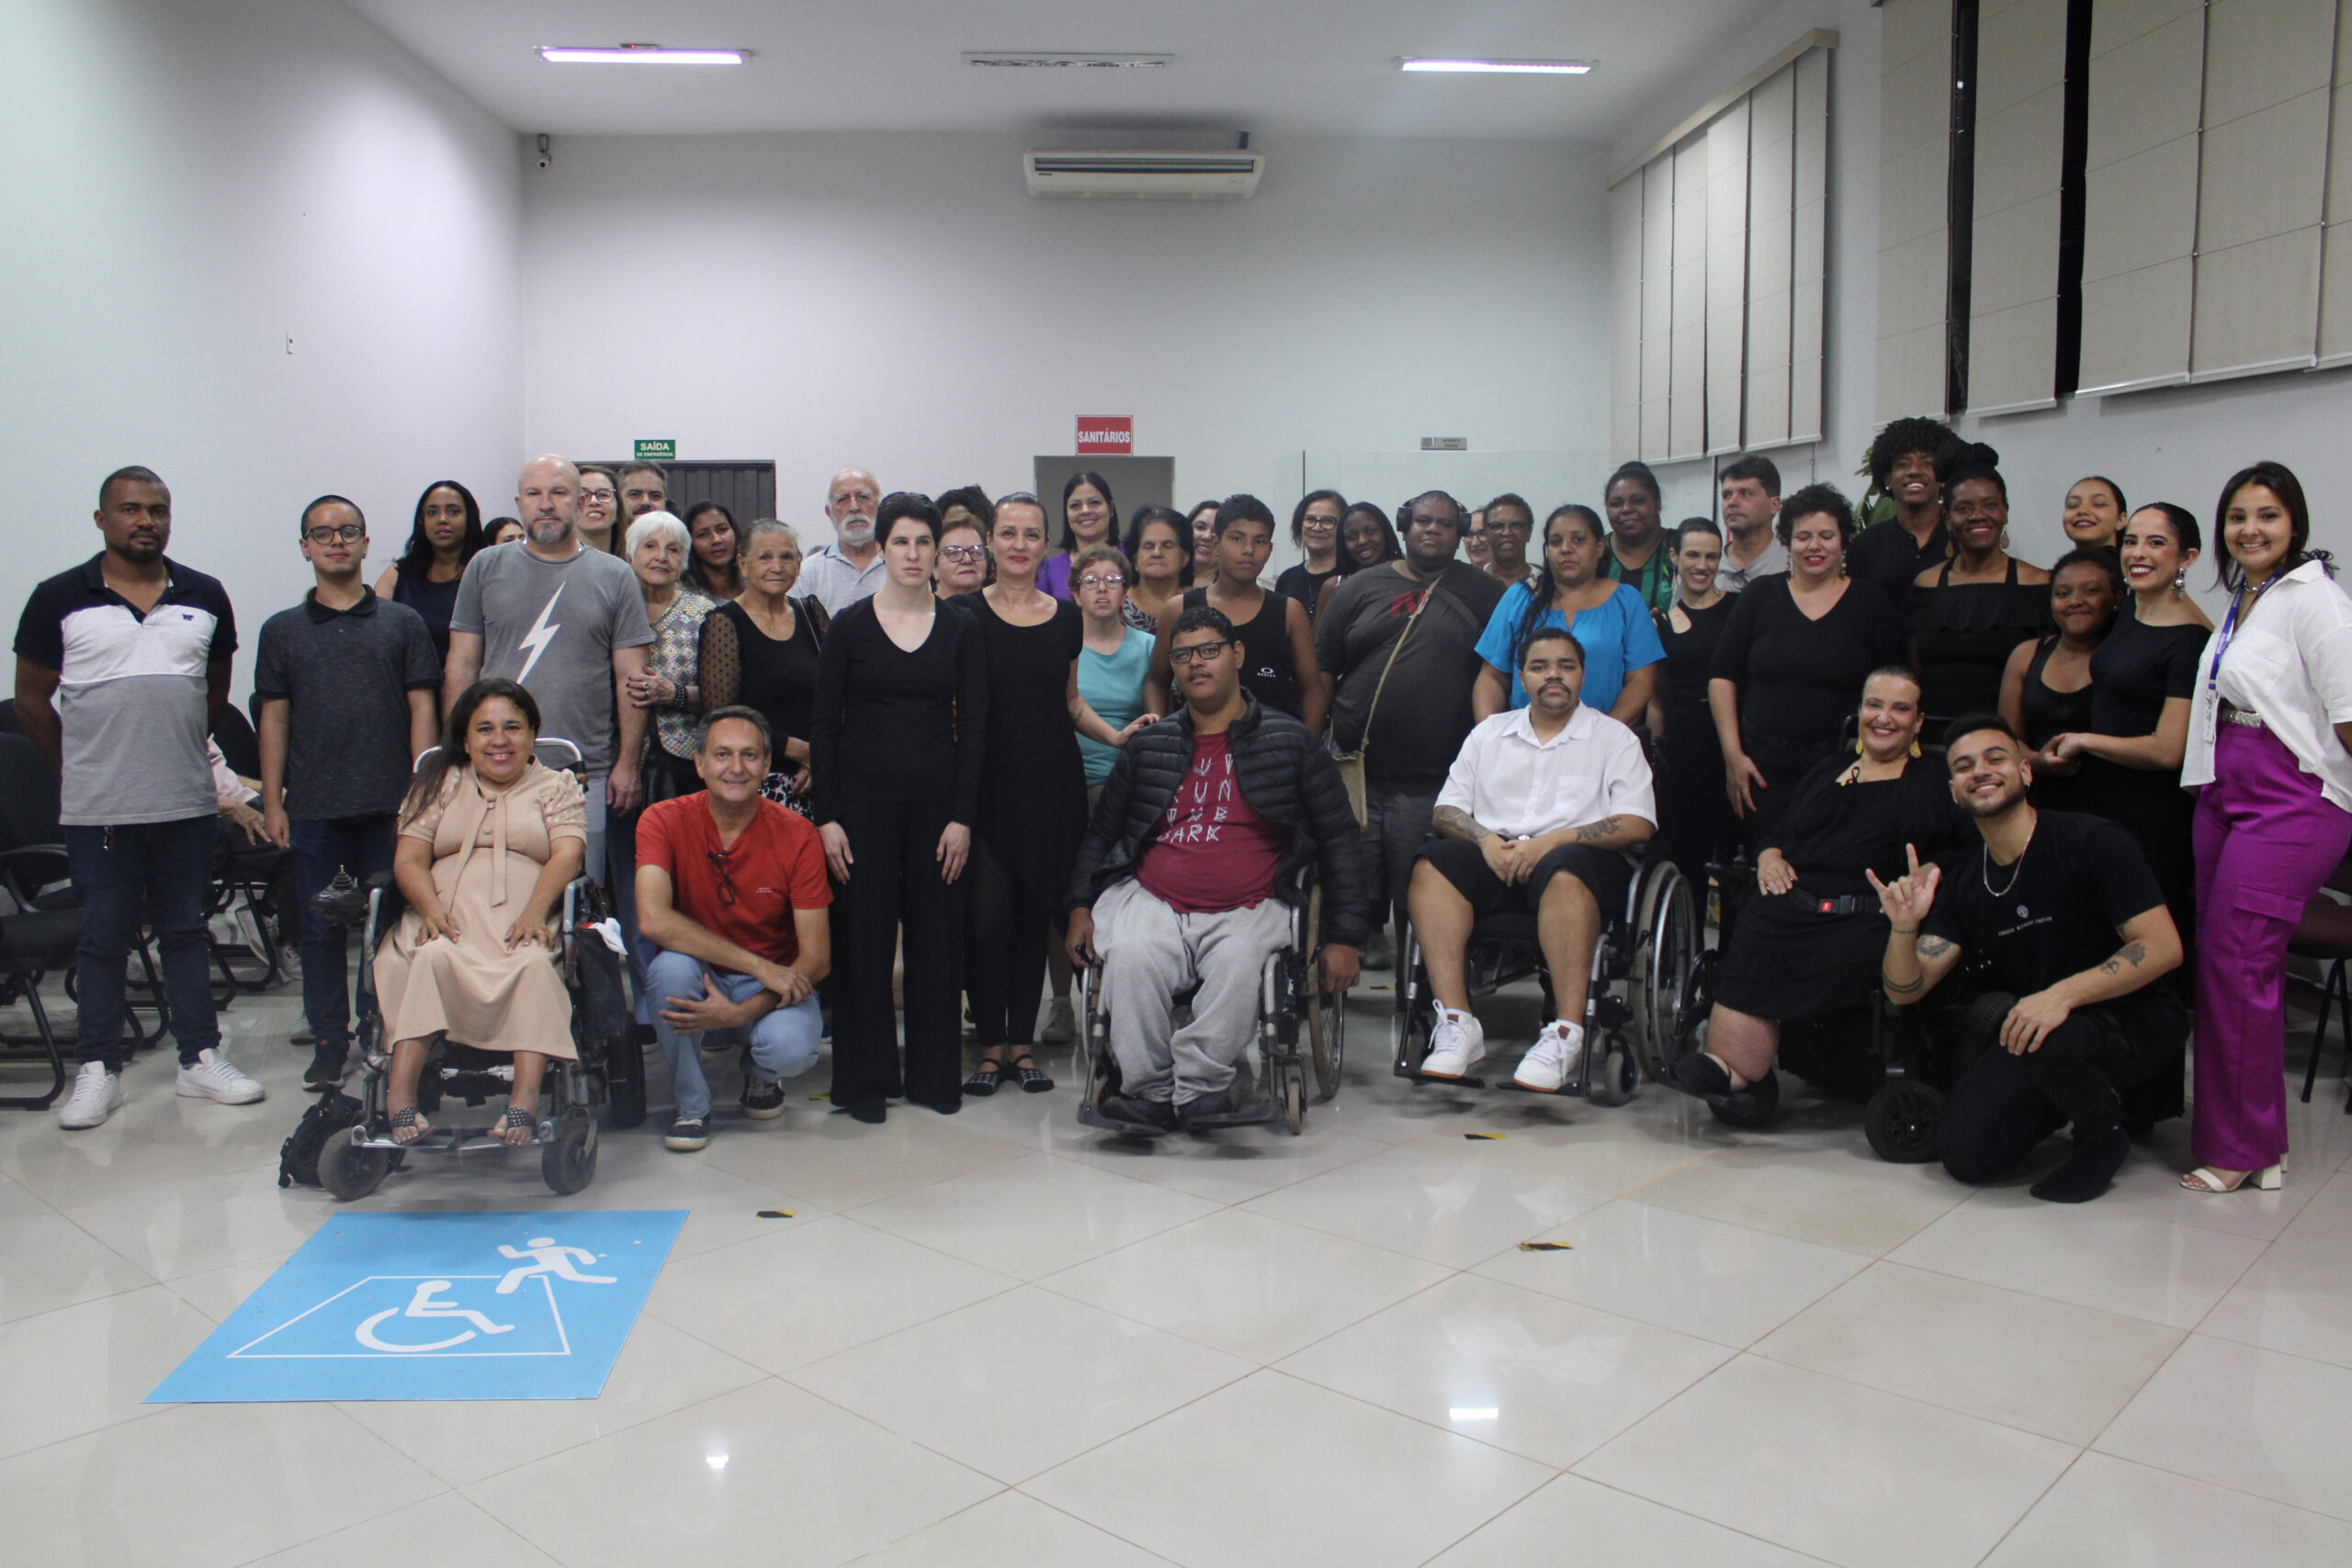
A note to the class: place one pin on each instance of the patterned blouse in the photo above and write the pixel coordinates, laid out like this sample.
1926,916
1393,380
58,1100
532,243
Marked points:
677,642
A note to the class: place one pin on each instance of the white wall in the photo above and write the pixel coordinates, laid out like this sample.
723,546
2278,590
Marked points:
185,187
901,302
2174,445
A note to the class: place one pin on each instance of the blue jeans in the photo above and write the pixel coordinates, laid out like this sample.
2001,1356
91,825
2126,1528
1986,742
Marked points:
783,1043
363,846
156,873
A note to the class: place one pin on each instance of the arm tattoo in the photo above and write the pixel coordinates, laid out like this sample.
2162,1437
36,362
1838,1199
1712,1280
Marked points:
2133,953
1594,832
1902,987
1460,823
1933,946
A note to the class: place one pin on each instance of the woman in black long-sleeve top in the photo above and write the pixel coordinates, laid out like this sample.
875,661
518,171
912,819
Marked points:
895,753
1795,651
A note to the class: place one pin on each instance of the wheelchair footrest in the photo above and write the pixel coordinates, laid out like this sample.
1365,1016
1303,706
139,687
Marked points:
1260,1111
1414,1076
1565,1091
1089,1117
447,1141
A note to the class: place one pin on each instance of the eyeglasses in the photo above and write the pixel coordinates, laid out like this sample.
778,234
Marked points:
598,494
1097,580
1324,518
966,553
327,532
726,883
1198,650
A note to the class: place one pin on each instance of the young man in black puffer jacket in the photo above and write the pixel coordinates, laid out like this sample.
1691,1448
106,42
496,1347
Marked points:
1204,822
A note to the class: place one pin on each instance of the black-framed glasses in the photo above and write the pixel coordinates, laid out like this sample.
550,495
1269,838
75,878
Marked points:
1198,650
599,495
726,883
966,553
326,533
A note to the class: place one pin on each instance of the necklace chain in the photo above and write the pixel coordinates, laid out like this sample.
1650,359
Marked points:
2016,868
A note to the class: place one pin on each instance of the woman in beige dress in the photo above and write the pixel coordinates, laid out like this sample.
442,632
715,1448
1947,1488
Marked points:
488,840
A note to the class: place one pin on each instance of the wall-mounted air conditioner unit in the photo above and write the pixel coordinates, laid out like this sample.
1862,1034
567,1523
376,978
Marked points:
1147,175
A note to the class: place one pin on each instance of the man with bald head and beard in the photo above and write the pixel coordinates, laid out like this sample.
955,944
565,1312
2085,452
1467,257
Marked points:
568,624
838,575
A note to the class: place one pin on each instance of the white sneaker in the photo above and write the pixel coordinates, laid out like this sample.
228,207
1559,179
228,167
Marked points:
97,1095
210,1077
1552,1060
1457,1044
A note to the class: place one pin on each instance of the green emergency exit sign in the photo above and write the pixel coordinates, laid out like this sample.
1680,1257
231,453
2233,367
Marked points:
657,451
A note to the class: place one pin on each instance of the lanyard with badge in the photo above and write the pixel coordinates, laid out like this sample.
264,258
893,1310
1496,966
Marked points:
2242,605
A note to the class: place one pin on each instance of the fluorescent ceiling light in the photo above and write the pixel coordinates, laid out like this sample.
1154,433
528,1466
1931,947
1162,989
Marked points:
1500,67
1054,58
642,54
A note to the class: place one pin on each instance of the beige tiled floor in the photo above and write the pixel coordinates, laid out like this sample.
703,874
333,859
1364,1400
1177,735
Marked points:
1002,1338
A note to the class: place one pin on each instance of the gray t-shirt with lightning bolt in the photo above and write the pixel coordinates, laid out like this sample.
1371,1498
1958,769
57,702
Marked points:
552,626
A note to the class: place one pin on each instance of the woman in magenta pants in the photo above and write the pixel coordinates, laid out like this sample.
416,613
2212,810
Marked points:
2268,730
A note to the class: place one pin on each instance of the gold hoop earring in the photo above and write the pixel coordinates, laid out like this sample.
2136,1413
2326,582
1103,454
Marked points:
2004,538
1858,745
1915,748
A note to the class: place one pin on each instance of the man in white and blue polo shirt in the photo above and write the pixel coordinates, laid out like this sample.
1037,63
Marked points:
121,665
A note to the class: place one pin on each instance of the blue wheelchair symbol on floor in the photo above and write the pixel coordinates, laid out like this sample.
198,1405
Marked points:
549,1301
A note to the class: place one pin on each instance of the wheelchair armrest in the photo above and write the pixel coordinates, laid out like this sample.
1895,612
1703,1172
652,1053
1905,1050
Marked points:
46,863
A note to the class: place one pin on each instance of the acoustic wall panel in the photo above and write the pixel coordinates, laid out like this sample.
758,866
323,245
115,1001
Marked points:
2140,176
1687,416
1772,256
2336,244
1625,321
1913,249
2019,167
1809,245
1726,276
1657,305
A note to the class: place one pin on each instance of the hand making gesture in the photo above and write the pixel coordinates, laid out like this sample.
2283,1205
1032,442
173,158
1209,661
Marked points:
1908,899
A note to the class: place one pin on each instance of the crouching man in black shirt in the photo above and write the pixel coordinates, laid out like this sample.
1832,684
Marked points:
2039,899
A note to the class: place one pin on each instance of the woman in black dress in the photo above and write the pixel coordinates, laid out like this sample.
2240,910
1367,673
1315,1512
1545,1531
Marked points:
447,535
1278,645
1968,614
894,751
1695,824
762,650
2143,679
2046,690
1791,657
1315,529
1811,939
1033,792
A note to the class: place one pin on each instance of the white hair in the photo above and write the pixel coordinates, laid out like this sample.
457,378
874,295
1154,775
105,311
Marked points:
655,524
768,526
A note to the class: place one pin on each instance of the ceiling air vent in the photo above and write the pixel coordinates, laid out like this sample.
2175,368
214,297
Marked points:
1049,59
1145,175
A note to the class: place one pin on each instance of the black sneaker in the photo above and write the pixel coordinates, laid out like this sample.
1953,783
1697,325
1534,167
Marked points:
763,1099
1151,1115
328,1065
1206,1106
687,1134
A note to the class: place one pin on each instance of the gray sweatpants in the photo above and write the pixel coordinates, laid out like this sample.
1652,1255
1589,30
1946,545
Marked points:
1150,951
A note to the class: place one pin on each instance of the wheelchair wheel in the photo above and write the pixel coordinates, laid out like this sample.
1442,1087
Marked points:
568,1161
1664,969
1617,1077
1327,1037
1294,1088
351,1173
1901,1122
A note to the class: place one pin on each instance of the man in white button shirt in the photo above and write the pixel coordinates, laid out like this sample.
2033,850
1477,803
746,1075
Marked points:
838,575
1536,815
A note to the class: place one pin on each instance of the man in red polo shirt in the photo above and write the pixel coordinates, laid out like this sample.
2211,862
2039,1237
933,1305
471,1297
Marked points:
732,889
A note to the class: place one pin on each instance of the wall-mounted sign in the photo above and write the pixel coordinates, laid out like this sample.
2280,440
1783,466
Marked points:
1445,444
657,451
1113,435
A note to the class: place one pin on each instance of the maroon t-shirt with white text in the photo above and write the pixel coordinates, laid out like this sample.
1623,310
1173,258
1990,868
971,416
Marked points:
1213,851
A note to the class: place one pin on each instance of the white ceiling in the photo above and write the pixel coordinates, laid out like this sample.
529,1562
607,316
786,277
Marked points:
1273,67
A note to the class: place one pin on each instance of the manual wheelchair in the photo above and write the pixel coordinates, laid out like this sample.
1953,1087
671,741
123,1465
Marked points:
1291,1002
1649,952
608,1077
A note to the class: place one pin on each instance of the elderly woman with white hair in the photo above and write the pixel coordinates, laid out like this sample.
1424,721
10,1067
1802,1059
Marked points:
760,650
657,546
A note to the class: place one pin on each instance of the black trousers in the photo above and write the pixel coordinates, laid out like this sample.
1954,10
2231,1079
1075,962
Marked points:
2005,1105
1694,820
894,884
1010,918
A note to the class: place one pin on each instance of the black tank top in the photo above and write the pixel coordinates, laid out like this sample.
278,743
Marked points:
2048,713
1965,632
433,602
1267,670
